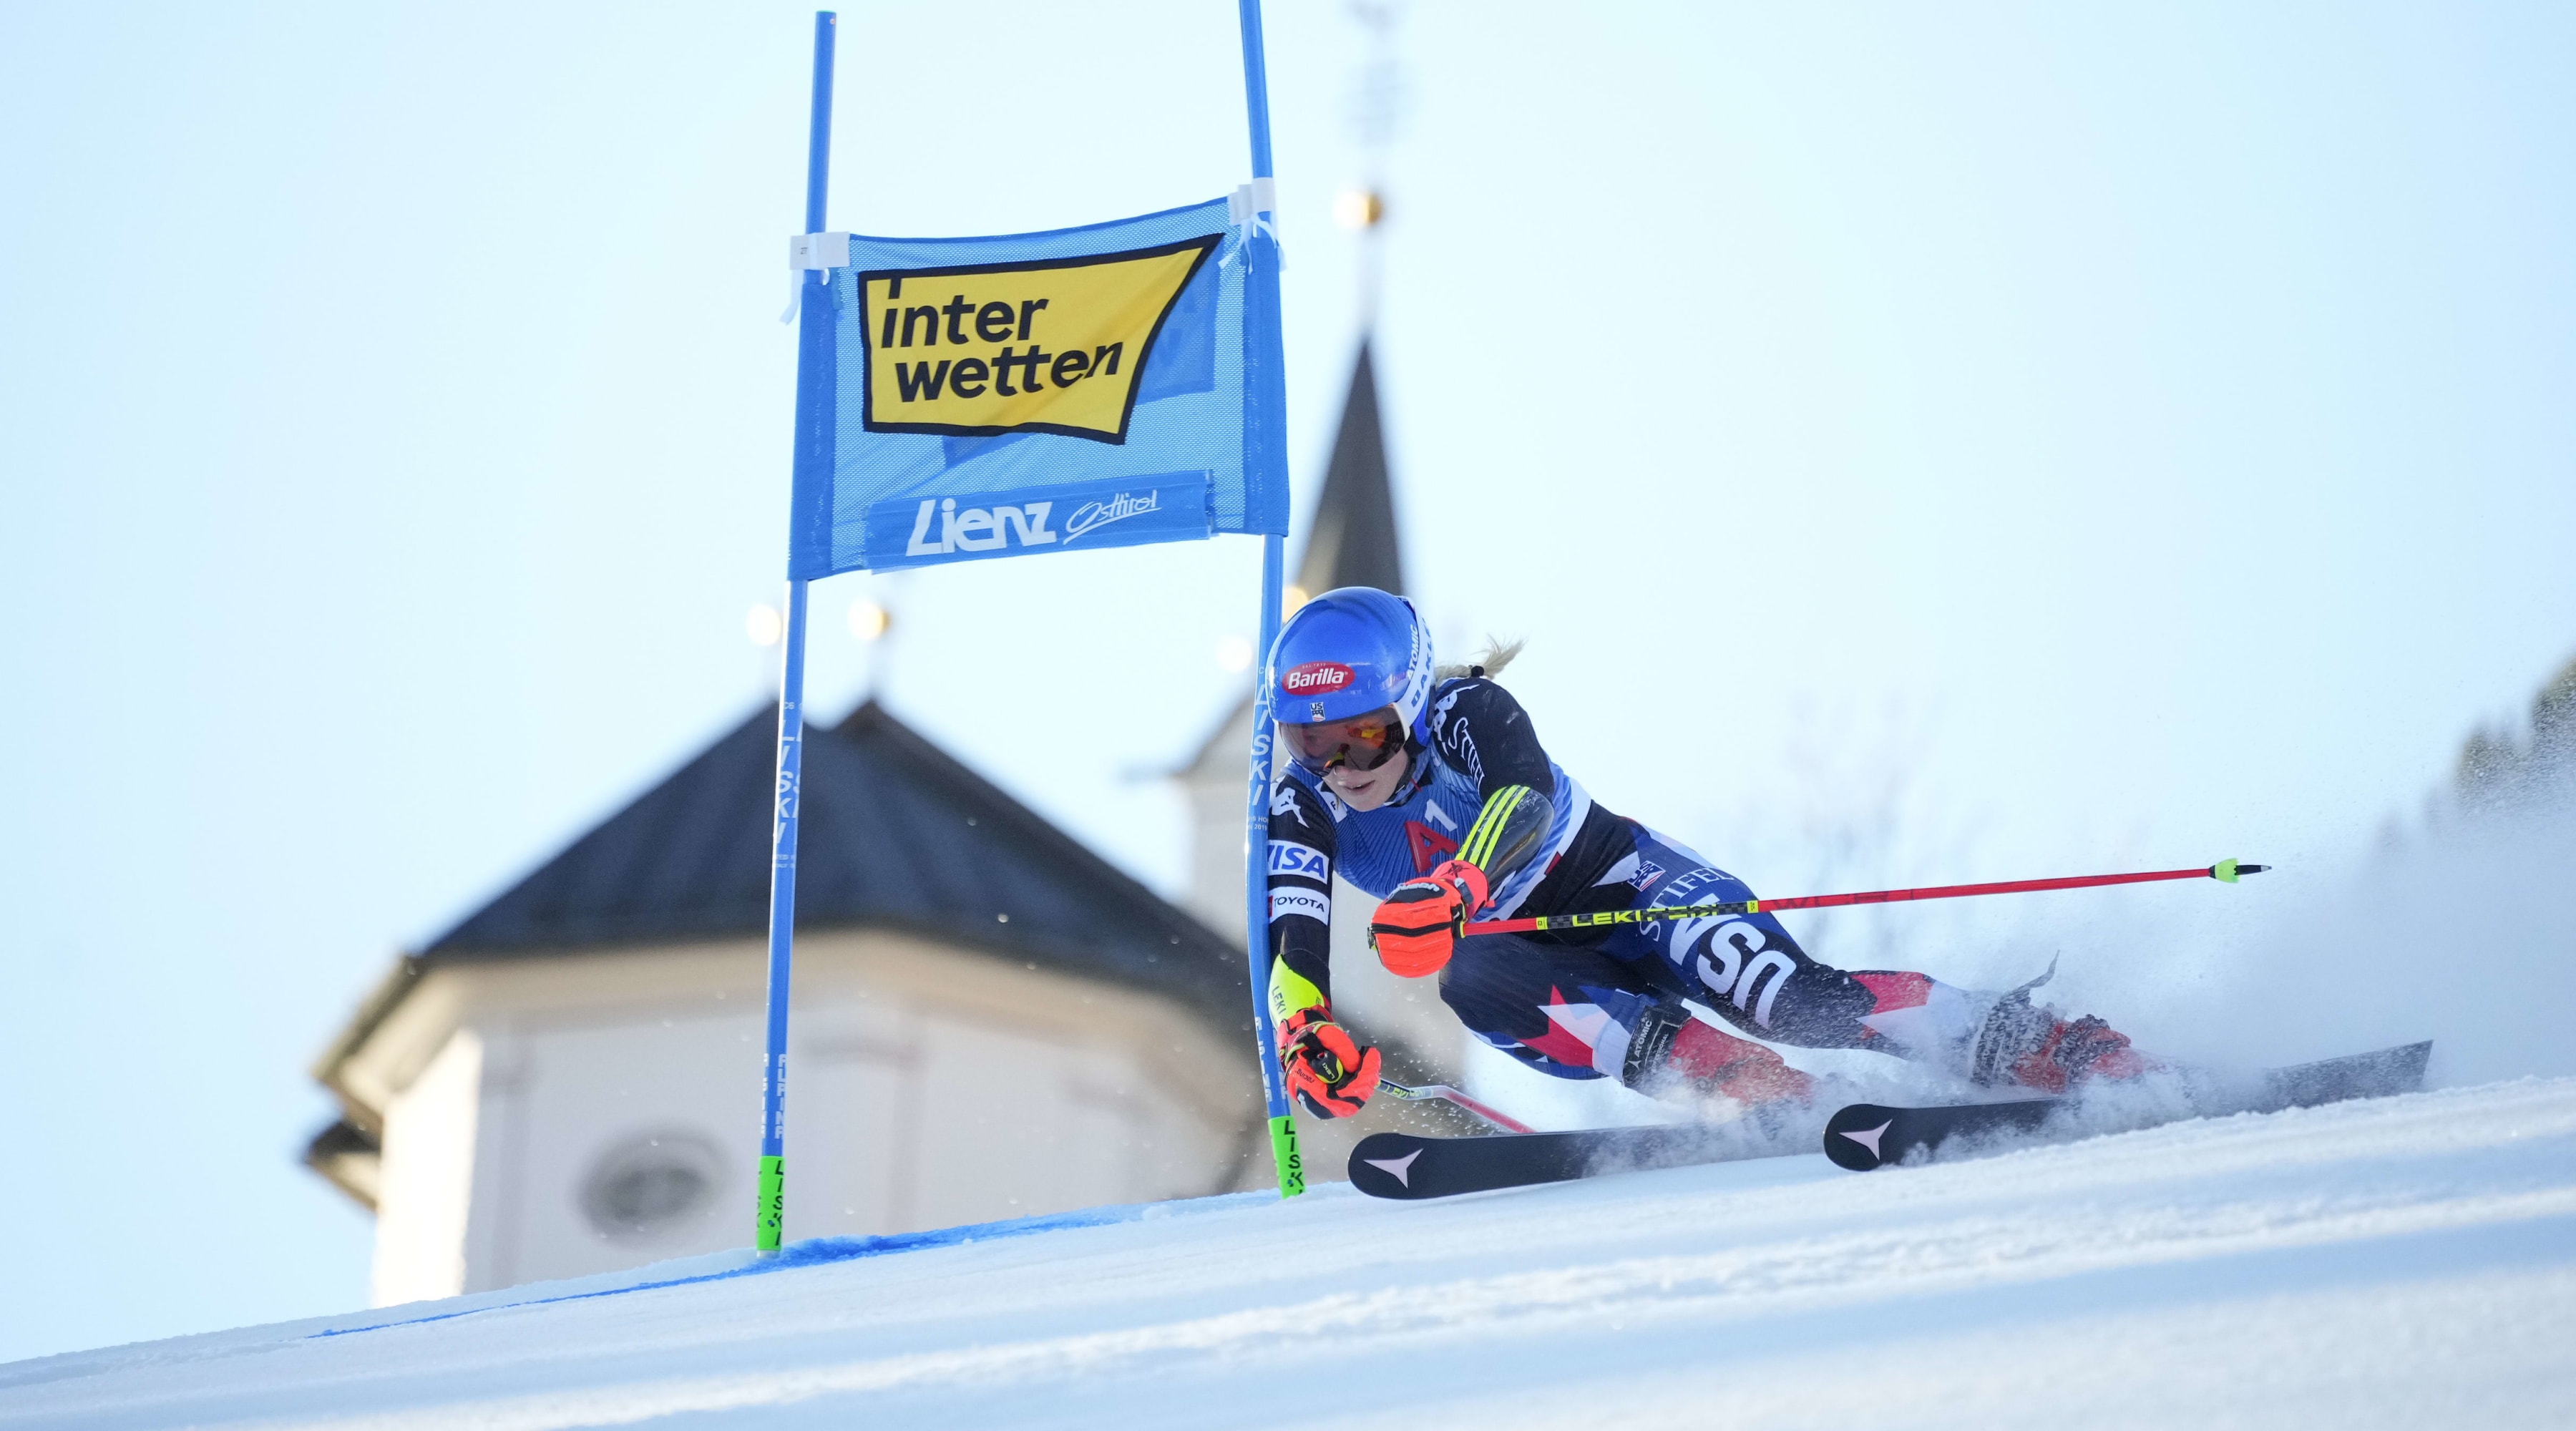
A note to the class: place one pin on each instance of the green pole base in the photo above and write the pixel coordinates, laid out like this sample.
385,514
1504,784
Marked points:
772,1213
1283,1155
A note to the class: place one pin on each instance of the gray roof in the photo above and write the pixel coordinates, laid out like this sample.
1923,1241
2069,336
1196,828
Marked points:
895,833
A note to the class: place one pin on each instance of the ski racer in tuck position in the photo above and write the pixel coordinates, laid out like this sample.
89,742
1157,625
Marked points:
1430,790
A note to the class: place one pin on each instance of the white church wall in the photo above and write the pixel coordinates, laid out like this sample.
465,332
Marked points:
854,1124
627,1143
1214,785
974,1073
1014,1091
592,1112
425,1193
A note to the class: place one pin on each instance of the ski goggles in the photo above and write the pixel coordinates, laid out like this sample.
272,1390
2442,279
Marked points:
1362,742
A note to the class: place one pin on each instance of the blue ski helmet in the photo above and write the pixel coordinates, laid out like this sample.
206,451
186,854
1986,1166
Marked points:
1348,653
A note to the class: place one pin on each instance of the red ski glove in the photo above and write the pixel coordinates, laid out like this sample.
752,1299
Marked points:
1417,927
1325,1067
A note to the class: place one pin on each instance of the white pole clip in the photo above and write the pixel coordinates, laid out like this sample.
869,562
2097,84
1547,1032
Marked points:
1253,208
808,253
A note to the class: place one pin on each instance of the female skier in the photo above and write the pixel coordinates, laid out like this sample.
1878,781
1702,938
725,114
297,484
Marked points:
1431,792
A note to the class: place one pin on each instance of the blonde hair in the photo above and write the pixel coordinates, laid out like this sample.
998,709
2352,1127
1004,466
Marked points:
1497,654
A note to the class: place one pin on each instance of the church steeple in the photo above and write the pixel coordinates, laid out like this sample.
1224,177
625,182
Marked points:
1350,541
1353,541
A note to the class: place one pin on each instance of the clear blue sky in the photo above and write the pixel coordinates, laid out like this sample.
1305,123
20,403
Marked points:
2144,432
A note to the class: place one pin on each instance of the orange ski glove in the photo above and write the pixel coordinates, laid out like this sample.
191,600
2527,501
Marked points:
1325,1067
1416,928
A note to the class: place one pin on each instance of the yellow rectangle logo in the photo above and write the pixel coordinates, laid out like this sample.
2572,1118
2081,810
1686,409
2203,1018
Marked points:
1046,345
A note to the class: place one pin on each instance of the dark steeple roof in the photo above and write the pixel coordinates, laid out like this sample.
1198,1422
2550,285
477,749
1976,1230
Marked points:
895,833
1353,539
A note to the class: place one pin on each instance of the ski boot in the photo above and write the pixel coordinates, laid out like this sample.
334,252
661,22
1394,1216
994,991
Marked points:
2022,1044
1672,1054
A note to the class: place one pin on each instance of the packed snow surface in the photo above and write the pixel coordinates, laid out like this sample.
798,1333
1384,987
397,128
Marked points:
2404,1262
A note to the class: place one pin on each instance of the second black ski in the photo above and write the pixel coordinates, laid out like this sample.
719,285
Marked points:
1402,1165
1860,1137
1870,1135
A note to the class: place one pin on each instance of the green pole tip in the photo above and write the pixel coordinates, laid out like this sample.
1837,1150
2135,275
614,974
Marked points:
770,1222
2224,870
1283,1156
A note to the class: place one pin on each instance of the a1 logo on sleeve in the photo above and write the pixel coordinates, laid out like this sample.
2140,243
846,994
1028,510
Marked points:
1043,345
1430,846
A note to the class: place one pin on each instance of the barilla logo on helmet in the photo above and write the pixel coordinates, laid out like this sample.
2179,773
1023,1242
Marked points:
1316,677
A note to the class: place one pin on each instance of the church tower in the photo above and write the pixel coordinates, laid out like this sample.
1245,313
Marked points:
1352,542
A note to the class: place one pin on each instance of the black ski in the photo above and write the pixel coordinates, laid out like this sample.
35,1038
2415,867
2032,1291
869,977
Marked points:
1403,1165
1860,1137
1867,1135
2380,1074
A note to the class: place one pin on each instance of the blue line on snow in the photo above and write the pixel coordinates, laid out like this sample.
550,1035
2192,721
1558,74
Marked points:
817,1251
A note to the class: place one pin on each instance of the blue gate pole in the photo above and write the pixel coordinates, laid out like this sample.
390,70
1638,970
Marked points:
1256,846
1262,270
813,445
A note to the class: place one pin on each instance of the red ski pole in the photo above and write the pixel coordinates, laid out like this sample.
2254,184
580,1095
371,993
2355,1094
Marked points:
2226,870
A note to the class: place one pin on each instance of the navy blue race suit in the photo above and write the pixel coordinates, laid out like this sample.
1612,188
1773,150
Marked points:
1582,1004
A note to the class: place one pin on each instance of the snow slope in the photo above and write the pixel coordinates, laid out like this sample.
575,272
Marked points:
2406,1262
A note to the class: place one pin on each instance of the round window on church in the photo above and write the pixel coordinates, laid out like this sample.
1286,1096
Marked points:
651,1186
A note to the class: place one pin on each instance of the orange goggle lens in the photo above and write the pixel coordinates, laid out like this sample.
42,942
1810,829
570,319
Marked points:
1362,743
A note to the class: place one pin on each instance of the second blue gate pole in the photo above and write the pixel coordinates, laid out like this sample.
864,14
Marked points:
1262,266
814,384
